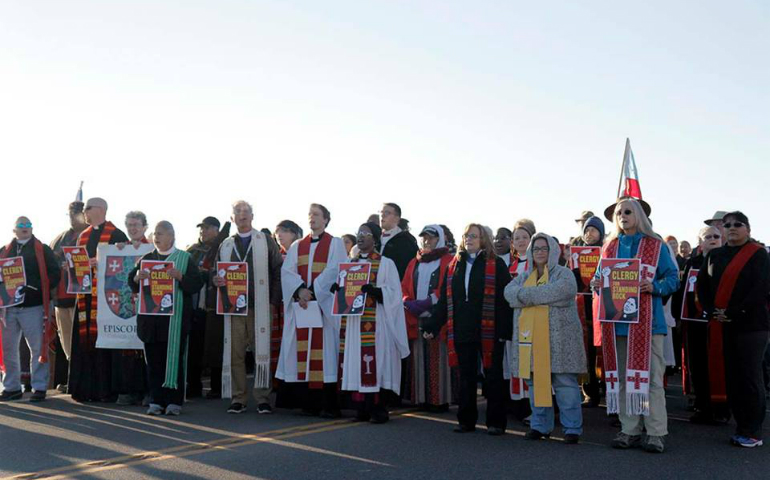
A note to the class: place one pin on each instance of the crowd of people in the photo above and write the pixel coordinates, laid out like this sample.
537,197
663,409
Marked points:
500,308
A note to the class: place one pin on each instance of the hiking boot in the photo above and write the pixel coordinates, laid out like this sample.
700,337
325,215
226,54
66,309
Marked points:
264,408
536,435
155,409
173,410
624,441
654,444
8,395
236,408
37,396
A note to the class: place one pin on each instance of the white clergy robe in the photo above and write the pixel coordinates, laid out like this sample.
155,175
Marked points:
390,341
290,281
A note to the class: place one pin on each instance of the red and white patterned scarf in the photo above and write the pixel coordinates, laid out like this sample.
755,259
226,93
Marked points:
639,351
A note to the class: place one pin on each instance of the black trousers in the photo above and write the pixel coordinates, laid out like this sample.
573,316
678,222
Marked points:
698,363
155,355
213,342
196,352
469,360
744,352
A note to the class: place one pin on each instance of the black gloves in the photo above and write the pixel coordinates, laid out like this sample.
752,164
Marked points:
374,292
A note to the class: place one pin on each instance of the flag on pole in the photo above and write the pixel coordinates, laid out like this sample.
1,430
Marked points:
629,175
628,186
79,195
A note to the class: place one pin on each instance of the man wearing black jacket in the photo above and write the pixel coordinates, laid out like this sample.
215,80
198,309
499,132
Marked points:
733,287
466,303
397,243
29,316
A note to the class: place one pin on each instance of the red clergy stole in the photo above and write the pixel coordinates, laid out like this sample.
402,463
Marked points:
86,317
727,281
310,344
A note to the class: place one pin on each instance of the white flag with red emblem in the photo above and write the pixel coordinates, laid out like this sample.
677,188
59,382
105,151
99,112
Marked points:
629,175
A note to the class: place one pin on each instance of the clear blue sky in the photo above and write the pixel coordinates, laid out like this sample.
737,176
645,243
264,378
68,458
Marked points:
459,111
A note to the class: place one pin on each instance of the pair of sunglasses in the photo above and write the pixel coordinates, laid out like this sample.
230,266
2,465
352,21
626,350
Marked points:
24,225
624,212
734,224
709,237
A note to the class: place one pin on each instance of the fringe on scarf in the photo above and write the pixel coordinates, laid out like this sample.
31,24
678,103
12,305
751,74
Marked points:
637,404
613,403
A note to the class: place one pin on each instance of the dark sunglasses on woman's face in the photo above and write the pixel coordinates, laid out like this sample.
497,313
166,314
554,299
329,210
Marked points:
733,224
714,237
471,236
624,212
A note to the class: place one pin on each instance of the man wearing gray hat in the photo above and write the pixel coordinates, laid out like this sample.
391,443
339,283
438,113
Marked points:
91,368
717,220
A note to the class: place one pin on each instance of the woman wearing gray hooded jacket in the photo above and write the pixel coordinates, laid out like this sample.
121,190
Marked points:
547,347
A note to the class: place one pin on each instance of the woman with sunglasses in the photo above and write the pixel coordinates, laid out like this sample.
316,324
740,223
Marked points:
733,287
478,322
708,411
634,363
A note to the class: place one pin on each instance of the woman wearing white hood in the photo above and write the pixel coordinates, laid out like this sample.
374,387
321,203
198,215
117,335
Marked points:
428,372
547,348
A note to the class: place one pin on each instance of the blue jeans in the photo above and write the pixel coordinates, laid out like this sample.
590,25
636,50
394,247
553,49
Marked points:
29,321
568,397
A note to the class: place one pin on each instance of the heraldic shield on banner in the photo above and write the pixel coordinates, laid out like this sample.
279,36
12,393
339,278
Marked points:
117,292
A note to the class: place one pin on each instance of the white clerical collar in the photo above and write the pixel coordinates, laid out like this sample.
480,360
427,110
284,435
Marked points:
23,242
391,233
244,235
167,252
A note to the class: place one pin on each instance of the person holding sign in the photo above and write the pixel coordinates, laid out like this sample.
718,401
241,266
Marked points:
422,284
733,288
38,275
308,361
593,237
708,410
90,367
634,376
263,257
374,343
164,336
548,349
65,302
478,322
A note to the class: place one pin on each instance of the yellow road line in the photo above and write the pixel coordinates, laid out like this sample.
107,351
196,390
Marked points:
150,457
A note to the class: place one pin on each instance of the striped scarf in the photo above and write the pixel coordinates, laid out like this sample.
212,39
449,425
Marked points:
181,259
639,351
368,332
487,313
87,303
310,344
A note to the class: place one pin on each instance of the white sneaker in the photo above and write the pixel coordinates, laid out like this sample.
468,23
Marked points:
173,410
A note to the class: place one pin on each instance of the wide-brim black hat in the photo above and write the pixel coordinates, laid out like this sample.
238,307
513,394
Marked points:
609,211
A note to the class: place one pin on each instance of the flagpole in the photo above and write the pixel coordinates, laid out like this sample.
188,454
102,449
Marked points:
623,165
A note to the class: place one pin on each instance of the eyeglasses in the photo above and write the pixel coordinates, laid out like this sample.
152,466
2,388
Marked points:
712,237
539,249
734,224
24,225
470,236
624,212
364,234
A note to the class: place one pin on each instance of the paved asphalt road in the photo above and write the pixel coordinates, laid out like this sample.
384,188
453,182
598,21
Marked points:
63,439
